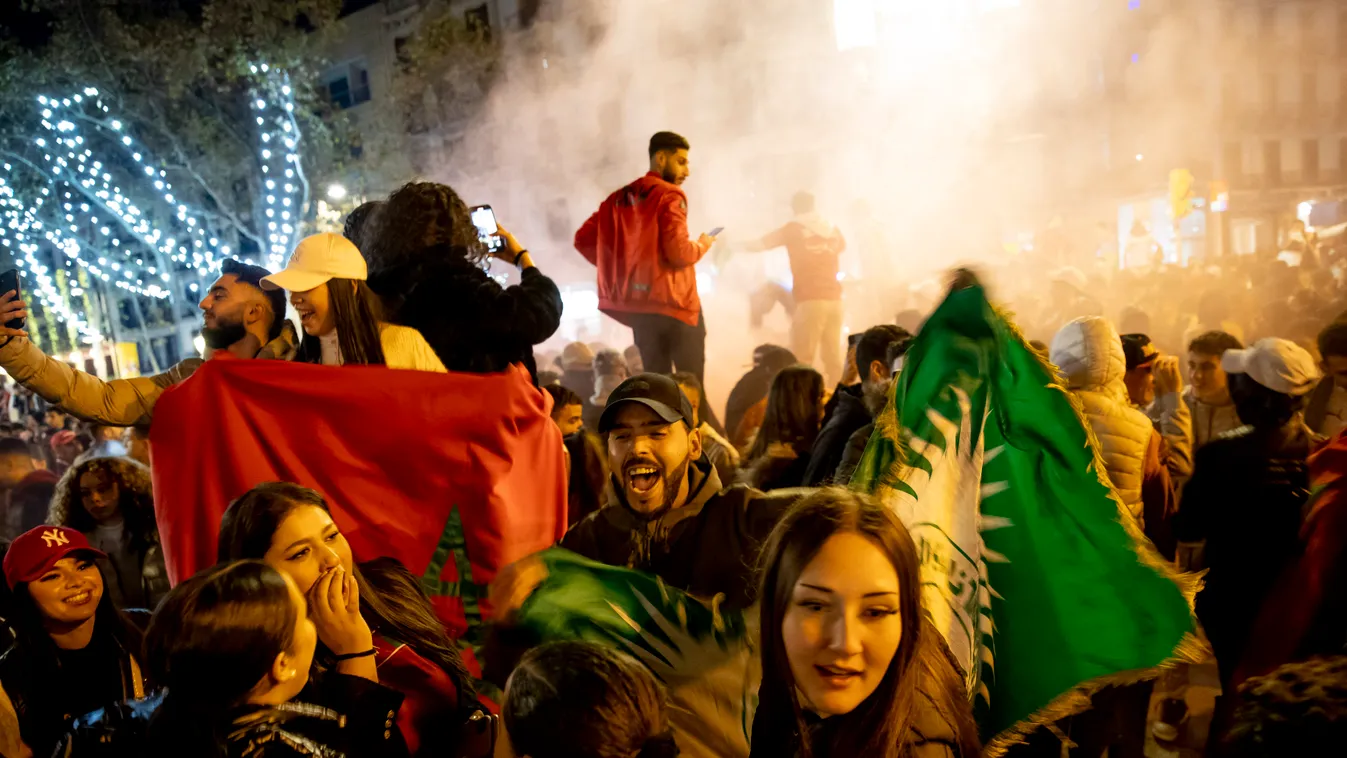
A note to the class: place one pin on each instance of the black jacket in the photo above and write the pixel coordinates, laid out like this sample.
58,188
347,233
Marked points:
46,706
471,322
337,715
831,445
708,546
1245,499
855,450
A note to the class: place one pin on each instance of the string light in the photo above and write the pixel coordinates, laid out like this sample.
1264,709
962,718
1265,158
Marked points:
187,240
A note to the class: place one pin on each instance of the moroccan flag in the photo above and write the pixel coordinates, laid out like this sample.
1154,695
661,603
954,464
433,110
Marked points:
1040,580
455,475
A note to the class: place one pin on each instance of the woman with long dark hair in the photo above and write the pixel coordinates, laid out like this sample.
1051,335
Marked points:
234,645
396,638
73,651
780,451
426,262
111,501
340,315
851,665
581,700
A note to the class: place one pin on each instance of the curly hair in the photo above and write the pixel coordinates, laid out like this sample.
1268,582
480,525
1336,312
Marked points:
420,217
1299,709
137,498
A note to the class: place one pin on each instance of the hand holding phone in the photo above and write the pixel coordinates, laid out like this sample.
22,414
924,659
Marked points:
488,230
715,232
13,311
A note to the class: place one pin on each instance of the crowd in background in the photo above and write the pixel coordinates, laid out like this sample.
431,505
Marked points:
1215,396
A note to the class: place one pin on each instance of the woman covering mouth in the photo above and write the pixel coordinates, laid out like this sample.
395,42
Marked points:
74,652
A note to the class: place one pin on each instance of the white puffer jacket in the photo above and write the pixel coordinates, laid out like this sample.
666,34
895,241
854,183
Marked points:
1089,354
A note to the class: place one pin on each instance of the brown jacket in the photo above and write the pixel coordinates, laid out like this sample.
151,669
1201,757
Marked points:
117,402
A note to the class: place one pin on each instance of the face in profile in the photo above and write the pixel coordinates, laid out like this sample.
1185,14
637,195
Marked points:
299,658
306,544
843,626
570,419
315,310
673,165
68,594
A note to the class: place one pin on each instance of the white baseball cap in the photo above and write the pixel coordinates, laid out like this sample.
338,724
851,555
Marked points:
318,258
1280,365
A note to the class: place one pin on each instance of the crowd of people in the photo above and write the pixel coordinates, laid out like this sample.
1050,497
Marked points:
1217,418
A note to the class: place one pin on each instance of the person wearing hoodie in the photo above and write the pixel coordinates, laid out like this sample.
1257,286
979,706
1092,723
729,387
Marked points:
1209,398
1089,354
856,406
814,245
669,516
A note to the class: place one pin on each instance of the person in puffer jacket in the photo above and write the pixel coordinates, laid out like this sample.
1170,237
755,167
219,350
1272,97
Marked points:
1089,354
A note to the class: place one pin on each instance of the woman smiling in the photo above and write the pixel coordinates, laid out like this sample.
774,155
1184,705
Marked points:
851,665
74,652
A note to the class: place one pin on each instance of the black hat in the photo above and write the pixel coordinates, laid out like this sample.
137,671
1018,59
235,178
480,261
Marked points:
657,392
1138,350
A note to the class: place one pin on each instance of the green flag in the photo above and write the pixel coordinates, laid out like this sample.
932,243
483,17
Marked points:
699,650
1042,583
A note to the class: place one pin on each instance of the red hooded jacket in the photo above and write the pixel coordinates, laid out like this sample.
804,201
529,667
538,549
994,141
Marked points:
638,240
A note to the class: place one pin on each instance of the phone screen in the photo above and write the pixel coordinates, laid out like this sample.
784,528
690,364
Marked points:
487,230
715,232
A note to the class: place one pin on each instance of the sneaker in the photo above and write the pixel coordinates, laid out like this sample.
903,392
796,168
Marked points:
1173,715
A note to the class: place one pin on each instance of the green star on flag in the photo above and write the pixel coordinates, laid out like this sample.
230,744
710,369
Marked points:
1043,584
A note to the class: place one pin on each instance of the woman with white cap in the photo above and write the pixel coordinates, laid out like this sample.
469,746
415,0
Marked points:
340,315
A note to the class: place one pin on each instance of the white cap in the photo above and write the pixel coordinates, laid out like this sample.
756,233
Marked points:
318,258
1280,365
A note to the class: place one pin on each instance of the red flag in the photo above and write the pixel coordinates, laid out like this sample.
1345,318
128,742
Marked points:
455,475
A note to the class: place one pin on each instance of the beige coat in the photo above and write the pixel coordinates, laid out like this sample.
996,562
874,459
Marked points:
1089,354
117,402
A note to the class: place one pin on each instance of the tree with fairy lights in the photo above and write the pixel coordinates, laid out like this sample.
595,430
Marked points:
143,143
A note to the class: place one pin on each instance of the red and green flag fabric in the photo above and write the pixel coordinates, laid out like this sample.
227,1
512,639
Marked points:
1041,581
454,475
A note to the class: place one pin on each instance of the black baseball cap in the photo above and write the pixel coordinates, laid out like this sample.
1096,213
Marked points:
1138,350
657,392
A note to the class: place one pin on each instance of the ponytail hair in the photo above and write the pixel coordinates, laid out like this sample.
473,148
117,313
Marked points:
580,700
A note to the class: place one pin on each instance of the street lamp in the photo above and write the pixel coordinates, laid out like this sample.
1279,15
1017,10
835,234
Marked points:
336,191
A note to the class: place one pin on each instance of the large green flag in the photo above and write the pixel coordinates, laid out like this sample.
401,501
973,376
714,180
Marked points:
1042,583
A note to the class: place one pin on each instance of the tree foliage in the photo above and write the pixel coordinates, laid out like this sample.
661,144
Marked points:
177,74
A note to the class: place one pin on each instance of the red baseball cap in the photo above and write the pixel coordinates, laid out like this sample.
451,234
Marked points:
35,551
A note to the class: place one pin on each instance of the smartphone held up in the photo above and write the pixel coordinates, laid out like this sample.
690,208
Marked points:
488,231
9,282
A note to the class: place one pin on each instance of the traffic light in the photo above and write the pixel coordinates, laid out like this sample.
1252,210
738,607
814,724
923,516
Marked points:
1180,192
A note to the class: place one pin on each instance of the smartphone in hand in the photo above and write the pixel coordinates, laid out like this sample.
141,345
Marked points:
488,231
715,232
9,281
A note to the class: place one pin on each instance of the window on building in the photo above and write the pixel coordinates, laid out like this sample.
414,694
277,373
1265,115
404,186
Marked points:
479,20
1309,160
1309,94
348,84
1269,93
1272,162
1230,104
1233,161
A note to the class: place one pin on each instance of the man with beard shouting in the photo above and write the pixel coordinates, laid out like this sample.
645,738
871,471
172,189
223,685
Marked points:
238,318
668,516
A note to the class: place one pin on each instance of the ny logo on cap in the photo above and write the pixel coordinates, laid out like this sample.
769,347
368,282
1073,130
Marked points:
53,537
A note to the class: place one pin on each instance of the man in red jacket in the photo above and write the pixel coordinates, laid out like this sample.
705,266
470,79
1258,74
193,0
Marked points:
638,240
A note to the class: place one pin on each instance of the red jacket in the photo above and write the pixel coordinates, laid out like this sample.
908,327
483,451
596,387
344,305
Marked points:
638,240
